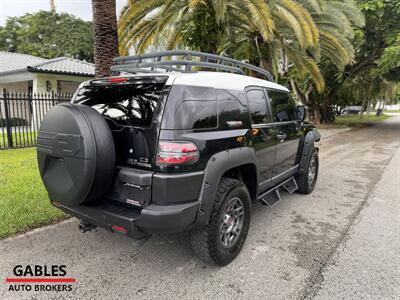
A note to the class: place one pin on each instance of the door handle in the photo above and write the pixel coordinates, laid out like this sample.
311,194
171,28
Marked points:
281,137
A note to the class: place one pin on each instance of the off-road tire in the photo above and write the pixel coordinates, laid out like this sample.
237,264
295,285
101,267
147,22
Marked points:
206,243
302,179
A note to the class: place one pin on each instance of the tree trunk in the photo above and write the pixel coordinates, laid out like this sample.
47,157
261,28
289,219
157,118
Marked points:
317,115
53,6
369,107
362,108
385,100
298,93
105,35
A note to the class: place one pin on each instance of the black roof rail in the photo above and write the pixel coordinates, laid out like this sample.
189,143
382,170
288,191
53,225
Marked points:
169,62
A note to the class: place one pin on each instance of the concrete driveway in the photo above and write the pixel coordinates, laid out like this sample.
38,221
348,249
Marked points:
342,241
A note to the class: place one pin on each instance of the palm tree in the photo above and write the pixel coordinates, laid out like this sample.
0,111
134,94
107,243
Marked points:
105,35
275,34
142,21
53,6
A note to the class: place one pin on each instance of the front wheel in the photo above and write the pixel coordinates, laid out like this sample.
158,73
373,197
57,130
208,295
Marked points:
222,239
306,180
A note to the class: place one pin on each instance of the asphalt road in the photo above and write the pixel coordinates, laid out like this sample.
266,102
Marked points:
341,242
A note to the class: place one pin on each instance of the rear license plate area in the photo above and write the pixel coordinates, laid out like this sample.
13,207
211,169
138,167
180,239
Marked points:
135,195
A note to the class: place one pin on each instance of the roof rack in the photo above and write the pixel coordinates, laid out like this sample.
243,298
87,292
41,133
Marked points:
170,61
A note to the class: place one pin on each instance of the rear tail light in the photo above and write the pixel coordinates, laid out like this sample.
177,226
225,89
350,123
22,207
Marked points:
104,81
117,79
119,229
176,153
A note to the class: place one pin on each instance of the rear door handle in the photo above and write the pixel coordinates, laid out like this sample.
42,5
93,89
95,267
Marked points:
281,137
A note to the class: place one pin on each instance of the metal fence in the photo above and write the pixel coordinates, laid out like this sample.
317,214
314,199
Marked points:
21,115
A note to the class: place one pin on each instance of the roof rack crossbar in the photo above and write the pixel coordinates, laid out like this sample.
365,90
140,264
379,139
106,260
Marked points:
188,64
212,61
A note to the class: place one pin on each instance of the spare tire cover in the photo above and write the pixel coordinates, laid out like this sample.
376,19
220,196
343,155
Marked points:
76,154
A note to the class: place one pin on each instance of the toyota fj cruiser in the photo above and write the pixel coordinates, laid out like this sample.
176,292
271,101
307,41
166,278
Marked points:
150,152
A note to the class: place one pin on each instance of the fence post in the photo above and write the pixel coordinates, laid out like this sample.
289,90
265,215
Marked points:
52,97
7,115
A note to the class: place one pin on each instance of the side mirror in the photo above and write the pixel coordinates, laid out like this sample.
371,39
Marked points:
301,113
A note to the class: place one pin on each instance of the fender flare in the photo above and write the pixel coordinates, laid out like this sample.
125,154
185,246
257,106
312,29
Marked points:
308,144
217,165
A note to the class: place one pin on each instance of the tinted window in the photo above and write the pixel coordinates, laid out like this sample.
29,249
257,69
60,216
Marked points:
283,107
257,106
197,114
191,107
131,105
232,112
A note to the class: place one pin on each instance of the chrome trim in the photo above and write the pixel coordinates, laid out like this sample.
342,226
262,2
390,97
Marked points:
269,125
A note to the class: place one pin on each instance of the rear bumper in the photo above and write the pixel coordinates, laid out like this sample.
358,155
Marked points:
153,219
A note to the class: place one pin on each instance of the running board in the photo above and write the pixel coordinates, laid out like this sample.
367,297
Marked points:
290,186
272,196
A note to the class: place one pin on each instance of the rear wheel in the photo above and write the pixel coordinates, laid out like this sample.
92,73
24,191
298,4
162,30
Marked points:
306,180
222,239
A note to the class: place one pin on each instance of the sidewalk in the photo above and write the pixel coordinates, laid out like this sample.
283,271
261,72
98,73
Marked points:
366,265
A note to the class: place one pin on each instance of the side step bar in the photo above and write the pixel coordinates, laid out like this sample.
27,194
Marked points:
272,196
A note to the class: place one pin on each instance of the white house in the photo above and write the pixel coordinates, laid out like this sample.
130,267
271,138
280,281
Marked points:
27,73
31,75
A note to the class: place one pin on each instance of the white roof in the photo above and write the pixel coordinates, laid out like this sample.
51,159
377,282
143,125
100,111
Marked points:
222,80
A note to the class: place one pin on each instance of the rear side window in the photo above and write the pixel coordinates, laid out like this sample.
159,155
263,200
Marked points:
257,106
127,105
232,111
190,107
282,105
198,108
197,114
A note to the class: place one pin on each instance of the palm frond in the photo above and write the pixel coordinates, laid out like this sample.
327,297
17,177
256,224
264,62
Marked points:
287,18
316,5
136,11
304,18
336,48
261,16
306,65
194,3
220,7
350,10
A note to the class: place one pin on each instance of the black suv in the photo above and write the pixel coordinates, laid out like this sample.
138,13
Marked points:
153,152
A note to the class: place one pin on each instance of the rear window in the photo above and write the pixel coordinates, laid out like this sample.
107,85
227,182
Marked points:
128,104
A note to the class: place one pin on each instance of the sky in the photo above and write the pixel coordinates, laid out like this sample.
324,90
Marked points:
79,8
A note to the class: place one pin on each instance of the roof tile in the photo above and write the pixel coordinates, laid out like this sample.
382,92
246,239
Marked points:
16,62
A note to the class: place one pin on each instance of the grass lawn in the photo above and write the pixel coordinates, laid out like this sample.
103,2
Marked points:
20,139
23,199
356,120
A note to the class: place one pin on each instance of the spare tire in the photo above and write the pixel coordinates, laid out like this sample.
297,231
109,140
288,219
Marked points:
76,154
